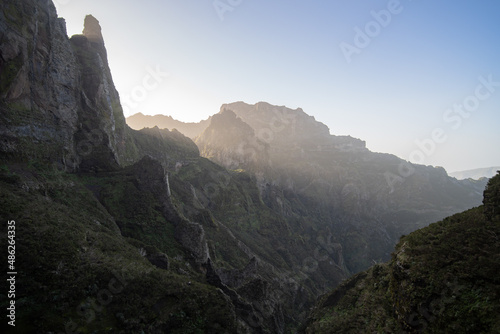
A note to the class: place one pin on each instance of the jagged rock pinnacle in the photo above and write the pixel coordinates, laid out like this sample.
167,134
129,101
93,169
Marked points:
92,30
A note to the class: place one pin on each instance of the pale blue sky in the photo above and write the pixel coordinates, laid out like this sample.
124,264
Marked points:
421,61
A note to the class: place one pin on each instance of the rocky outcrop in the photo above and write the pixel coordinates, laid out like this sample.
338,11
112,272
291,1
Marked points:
192,237
57,99
93,32
231,142
101,115
40,79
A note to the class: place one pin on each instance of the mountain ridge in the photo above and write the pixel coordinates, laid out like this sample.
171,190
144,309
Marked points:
476,173
191,130
290,150
196,246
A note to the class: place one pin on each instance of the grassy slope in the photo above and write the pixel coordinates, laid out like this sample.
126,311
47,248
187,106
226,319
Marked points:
442,278
68,251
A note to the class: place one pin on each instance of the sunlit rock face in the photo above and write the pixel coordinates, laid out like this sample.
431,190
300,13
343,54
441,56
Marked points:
231,142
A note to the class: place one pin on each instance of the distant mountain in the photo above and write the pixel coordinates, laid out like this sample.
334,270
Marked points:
475,174
440,279
351,204
367,200
334,180
190,130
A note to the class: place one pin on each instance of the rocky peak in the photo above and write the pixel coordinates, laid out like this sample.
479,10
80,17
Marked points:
58,100
263,113
227,119
226,129
92,30
230,141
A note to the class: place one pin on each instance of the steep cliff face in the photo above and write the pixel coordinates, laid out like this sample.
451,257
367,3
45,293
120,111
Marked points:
40,78
101,120
57,97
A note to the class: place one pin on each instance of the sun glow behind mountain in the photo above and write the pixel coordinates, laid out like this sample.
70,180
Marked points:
393,92
245,224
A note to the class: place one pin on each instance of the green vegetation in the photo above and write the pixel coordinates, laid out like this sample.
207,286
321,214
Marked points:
9,72
69,251
492,199
442,278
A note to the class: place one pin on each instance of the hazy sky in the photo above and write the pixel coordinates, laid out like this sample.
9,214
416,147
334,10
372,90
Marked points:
418,79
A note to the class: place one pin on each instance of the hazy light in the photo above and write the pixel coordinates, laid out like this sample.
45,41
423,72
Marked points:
394,92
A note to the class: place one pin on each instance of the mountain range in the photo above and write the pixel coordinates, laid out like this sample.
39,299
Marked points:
236,226
377,197
475,174
191,130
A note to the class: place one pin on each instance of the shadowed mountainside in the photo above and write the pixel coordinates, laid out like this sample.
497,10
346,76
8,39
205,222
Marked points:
442,278
121,230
